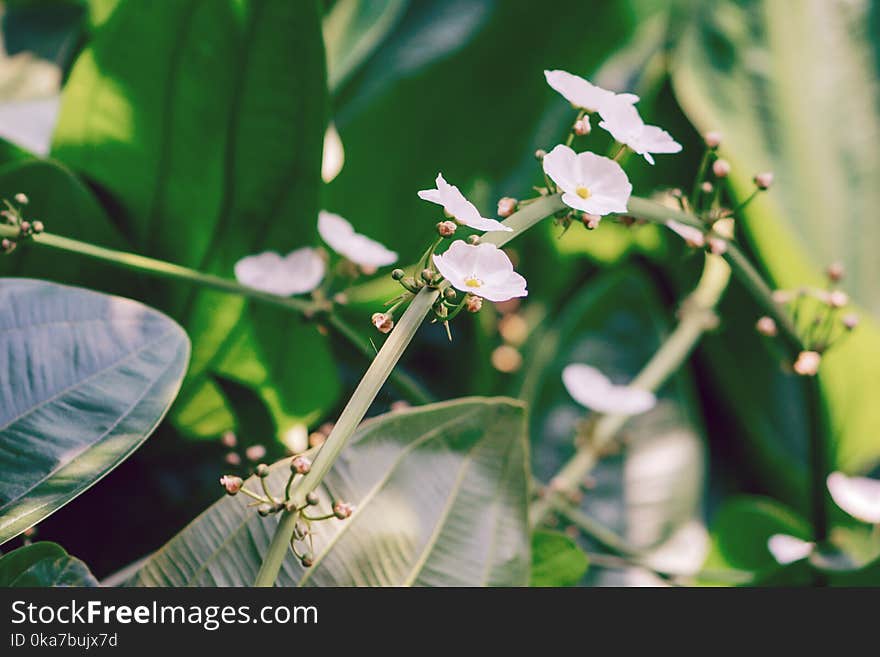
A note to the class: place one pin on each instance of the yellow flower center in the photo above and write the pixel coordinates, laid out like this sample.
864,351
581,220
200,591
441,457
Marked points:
473,281
583,192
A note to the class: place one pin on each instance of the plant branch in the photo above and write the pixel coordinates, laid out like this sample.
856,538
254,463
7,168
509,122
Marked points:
408,386
697,315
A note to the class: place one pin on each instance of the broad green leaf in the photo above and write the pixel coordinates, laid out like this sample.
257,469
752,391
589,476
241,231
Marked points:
795,92
353,30
441,497
41,565
86,378
208,150
650,492
556,560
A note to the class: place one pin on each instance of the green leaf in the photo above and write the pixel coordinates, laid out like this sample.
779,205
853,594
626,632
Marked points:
556,560
441,496
353,30
41,565
795,92
650,492
86,379
208,150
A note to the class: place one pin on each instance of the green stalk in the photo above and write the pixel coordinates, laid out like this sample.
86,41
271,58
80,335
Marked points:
372,381
159,268
697,316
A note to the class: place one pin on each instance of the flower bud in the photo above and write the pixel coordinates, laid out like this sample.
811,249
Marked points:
307,560
707,187
513,329
712,139
591,221
473,240
506,359
473,304
232,458
343,510
300,465
850,321
807,363
835,272
264,509
228,439
340,298
312,498
837,298
506,206
766,326
231,483
6,244
427,275
316,438
25,226
262,470
446,228
383,322
450,294
397,274
255,452
21,198
721,168
38,226
717,245
764,180
582,126
539,154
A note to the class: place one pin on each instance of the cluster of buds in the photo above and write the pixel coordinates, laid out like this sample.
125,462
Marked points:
817,317
236,456
13,217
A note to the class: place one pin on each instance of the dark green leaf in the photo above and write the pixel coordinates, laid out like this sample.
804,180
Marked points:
208,150
86,379
41,565
441,497
556,560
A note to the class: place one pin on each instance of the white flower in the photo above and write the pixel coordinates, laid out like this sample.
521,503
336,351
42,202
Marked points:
581,93
858,496
590,388
334,155
788,549
589,182
361,250
691,235
454,202
298,272
622,120
483,270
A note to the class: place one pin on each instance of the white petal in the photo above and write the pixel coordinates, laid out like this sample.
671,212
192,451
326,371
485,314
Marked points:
657,140
560,165
581,93
456,204
788,549
625,124
590,388
858,496
361,250
689,234
484,262
334,155
301,271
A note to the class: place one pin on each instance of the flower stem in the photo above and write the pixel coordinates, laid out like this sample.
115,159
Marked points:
159,268
373,380
697,316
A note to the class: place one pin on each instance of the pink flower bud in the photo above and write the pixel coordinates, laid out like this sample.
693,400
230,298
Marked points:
231,483
850,321
582,126
707,187
300,465
316,438
721,168
446,228
232,459
255,452
229,440
591,221
807,363
717,245
835,272
506,206
343,510
21,198
764,180
506,359
766,326
513,329
473,304
837,299
712,139
383,322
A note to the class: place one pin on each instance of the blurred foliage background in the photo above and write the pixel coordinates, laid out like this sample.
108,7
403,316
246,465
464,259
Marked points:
193,131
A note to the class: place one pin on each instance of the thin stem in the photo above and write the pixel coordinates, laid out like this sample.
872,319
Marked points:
414,392
701,173
374,379
818,458
697,316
